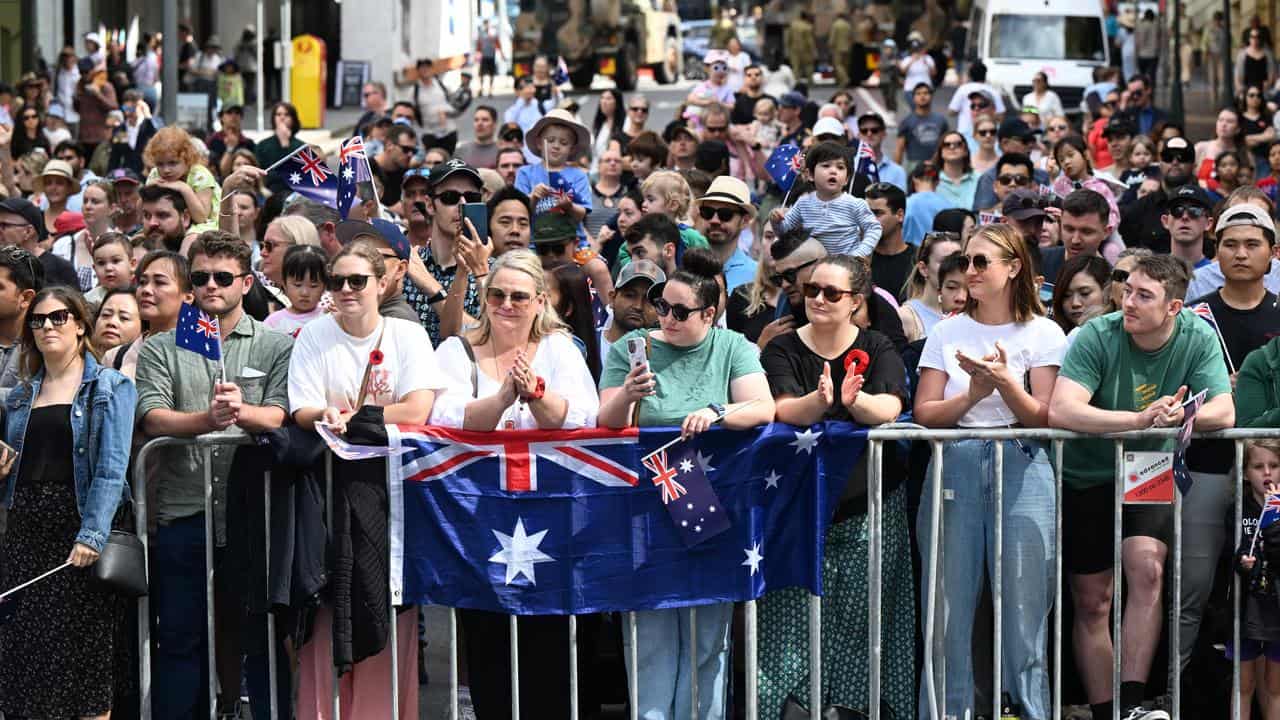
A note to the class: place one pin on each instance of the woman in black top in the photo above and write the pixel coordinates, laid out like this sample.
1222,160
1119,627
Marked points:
28,133
753,308
1255,125
830,369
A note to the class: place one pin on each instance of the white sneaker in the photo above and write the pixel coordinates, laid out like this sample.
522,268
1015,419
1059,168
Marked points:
1139,713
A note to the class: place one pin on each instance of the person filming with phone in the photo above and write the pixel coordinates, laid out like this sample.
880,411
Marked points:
693,375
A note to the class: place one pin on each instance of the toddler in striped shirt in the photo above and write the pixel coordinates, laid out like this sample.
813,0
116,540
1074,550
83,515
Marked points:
843,223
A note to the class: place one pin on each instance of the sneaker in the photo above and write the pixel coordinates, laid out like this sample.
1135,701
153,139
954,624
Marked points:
1141,713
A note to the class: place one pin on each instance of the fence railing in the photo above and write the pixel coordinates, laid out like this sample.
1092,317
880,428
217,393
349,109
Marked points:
933,676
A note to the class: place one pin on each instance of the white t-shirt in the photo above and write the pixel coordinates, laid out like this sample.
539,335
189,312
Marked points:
917,70
960,104
557,360
1038,343
327,365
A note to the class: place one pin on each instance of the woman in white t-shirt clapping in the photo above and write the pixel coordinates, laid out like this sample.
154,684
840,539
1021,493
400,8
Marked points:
518,370
975,371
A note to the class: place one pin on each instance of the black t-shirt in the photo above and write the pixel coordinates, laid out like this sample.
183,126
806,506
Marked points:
744,108
1243,331
890,271
58,271
737,319
794,369
390,179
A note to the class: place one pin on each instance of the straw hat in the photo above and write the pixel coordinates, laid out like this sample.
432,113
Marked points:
55,168
533,138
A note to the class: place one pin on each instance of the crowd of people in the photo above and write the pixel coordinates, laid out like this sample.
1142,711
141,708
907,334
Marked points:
991,268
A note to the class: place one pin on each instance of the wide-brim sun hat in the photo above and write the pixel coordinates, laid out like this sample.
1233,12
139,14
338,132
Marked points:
533,138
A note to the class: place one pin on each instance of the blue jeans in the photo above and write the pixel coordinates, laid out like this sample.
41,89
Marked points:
663,659
968,540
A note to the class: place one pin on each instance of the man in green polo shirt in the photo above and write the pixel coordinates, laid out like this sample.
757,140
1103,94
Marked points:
1129,370
181,395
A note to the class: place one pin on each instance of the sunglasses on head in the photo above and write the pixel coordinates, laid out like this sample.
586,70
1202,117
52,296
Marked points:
680,312
58,317
453,197
724,213
789,276
1187,211
1119,275
497,297
979,262
828,293
355,282
200,278
1019,180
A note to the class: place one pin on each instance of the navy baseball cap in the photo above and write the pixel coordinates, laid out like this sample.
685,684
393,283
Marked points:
27,211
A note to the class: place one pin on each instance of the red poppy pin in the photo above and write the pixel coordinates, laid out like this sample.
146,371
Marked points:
375,357
858,359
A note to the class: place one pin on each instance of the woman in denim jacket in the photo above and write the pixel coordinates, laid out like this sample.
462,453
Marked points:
70,425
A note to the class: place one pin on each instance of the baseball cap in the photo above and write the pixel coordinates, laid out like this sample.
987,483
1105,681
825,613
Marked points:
68,222
641,270
446,170
677,126
552,228
792,99
984,96
828,126
125,175
1023,205
1189,195
393,235
1176,148
1014,128
1246,215
27,211
1119,126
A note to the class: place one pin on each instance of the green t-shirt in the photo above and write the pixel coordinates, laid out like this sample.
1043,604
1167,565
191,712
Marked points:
1104,360
688,378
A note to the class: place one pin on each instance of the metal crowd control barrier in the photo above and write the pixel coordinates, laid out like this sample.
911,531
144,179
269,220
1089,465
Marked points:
934,671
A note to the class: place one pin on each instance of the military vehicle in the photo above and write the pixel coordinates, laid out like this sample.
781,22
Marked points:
610,37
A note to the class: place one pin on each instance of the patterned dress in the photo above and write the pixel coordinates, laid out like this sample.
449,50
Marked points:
59,643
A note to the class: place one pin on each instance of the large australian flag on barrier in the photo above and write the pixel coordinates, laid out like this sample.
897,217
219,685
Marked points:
558,522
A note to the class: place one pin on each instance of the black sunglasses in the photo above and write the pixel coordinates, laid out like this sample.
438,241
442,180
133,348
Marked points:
680,312
1119,276
1186,211
1019,180
453,197
724,213
716,128
497,297
200,278
984,133
355,281
979,105
871,130
980,262
828,293
1176,156
643,110
408,149
58,317
789,276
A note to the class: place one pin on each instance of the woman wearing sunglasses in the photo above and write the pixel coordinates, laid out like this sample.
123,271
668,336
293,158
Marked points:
519,369
352,360
984,131
61,506
697,375
957,182
975,369
29,133
830,369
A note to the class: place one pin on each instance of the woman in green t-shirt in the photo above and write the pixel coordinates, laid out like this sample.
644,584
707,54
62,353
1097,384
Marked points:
694,374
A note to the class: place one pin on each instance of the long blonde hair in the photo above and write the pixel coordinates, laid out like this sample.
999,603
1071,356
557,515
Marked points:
760,288
546,322
1024,300
917,283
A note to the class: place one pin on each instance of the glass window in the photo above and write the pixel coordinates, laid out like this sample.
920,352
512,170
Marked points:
1047,37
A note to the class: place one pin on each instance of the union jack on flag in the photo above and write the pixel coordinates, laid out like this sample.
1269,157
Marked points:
866,163
353,168
305,173
198,332
1270,512
664,477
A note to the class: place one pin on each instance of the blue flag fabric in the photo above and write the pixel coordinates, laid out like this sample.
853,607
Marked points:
1270,512
306,174
556,522
680,475
353,168
784,165
198,332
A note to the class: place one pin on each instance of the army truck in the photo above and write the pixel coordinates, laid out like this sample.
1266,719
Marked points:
610,37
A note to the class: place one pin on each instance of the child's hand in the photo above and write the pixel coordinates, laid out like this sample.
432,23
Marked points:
566,202
777,215
540,191
1248,561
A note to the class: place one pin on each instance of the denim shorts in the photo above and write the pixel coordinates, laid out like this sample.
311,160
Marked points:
1254,649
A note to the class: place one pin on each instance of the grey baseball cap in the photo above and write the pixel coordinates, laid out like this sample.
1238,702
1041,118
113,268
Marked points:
641,270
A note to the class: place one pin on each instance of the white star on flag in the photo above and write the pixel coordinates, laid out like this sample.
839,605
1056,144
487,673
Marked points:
771,480
520,552
753,558
686,465
347,173
294,178
806,441
705,462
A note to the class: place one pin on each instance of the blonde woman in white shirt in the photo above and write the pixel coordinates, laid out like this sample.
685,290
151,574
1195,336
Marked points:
519,369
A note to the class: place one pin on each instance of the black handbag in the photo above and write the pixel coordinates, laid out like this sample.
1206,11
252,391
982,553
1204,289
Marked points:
122,565
793,709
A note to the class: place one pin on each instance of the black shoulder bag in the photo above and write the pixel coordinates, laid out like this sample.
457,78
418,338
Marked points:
122,565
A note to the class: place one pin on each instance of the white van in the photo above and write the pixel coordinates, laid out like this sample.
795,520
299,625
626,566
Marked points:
1015,39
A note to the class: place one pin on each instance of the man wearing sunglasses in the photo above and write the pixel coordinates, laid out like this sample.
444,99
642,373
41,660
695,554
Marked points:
22,225
721,215
871,130
744,103
182,394
959,107
1014,171
1187,219
1014,136
1141,223
1139,105
450,255
390,165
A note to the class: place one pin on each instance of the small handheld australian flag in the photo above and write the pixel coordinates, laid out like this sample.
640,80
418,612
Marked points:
681,476
198,332
305,173
784,165
353,168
